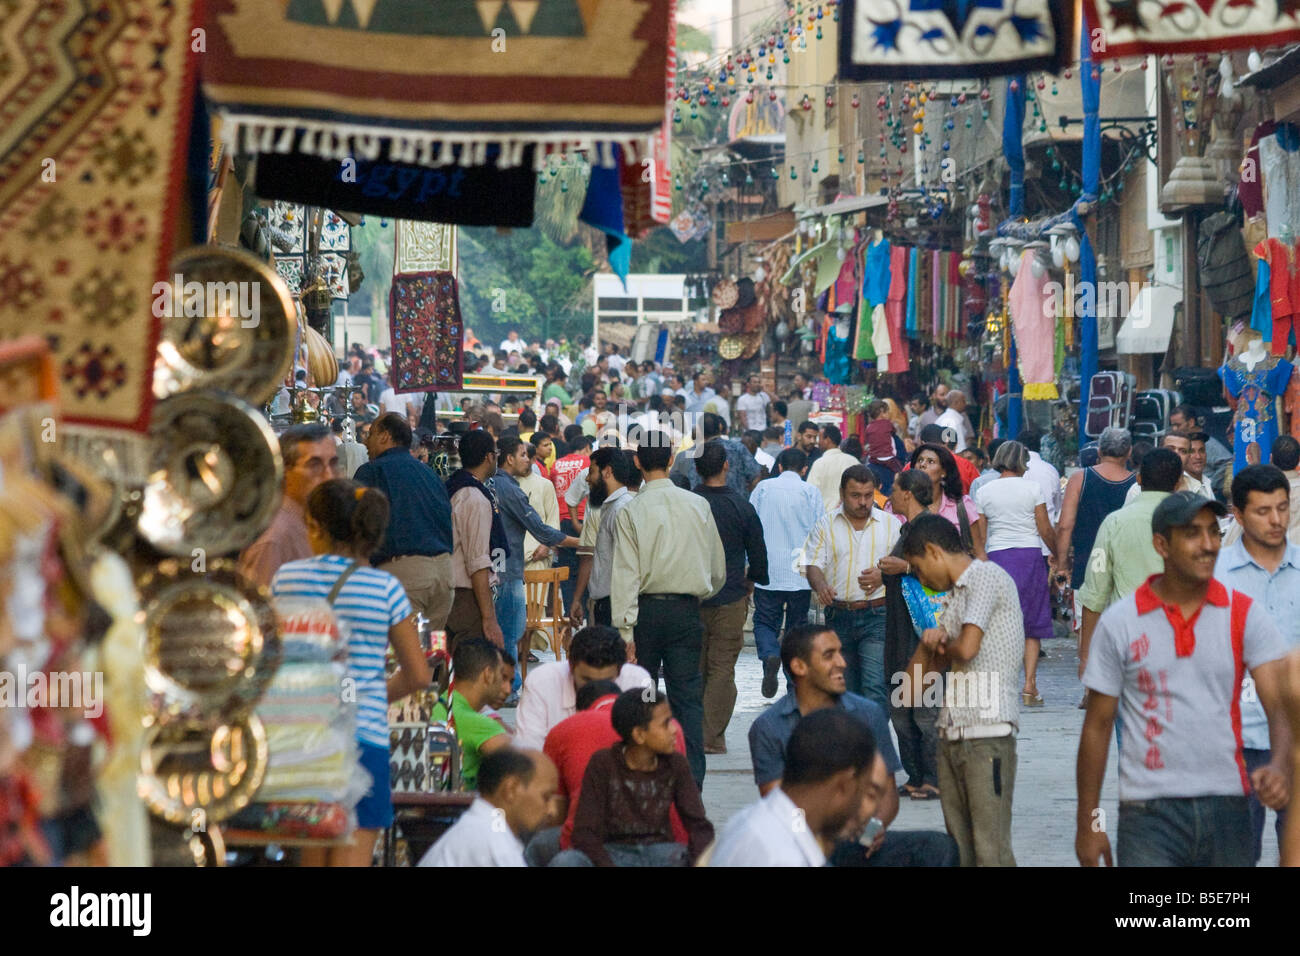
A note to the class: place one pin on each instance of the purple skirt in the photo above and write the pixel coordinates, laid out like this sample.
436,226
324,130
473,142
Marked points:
1028,568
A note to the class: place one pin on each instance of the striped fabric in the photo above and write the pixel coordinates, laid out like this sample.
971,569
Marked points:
370,602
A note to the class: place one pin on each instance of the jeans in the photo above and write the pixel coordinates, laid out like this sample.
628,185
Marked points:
543,847
1254,760
568,558
668,632
977,780
901,848
629,854
1185,831
918,743
774,613
512,612
863,635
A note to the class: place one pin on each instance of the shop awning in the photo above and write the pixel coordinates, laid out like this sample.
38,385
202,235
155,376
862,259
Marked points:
1149,322
849,204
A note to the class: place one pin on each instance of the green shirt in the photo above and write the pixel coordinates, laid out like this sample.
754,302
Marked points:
556,390
473,730
1123,556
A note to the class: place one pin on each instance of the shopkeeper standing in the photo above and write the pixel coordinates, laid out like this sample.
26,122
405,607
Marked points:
346,523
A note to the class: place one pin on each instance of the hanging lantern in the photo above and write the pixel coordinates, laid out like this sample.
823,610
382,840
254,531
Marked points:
806,102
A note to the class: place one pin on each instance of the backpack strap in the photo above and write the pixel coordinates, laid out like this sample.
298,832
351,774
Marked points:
340,581
1239,609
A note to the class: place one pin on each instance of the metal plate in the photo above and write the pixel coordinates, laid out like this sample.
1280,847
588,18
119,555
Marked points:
214,475
196,776
240,331
731,346
212,644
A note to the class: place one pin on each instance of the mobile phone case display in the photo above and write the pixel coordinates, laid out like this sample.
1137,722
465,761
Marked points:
423,754
314,778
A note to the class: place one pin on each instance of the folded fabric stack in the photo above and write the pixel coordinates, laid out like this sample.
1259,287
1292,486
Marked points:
314,771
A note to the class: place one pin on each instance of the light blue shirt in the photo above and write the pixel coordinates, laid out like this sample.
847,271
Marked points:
788,508
1279,593
987,475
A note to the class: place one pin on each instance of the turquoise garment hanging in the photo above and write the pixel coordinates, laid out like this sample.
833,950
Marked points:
911,292
875,274
1261,313
837,367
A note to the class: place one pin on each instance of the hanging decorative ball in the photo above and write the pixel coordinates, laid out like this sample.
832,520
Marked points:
815,165
693,113
1144,63
749,179
1068,72
776,174
968,122
1042,83
772,95
785,58
806,102
882,152
1096,74
984,114
855,102
840,158
564,185
1054,90
793,174
749,97
725,101
1042,127
918,128
677,116
819,31
986,95
1118,67
830,102
961,98
946,145
770,74
861,158
1056,165
1169,62
1015,85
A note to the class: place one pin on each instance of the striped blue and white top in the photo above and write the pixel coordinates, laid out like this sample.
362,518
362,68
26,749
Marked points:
370,602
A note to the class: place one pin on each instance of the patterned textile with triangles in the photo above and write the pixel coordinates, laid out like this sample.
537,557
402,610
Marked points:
506,71
95,97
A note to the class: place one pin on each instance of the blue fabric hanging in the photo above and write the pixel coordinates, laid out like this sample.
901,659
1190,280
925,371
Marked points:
1261,312
603,209
912,262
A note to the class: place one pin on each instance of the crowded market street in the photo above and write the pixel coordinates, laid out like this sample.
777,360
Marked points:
644,434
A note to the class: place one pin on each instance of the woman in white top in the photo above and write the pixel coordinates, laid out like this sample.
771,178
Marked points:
1016,516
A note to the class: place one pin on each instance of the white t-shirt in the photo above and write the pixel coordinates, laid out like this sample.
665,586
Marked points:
516,346
753,410
957,422
1009,505
616,363
391,401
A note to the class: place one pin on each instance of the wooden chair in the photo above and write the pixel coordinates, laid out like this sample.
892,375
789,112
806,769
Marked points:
544,610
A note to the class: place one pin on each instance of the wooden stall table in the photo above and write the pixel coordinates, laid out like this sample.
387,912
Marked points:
423,818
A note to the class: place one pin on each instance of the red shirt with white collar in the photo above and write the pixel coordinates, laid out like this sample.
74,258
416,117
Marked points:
1178,682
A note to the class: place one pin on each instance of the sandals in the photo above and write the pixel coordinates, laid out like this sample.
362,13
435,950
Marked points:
926,792
907,790
1030,700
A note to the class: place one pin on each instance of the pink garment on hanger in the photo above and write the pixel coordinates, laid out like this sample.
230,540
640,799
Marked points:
1034,321
896,307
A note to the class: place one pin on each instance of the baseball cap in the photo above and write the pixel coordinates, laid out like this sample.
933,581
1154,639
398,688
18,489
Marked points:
949,437
1180,508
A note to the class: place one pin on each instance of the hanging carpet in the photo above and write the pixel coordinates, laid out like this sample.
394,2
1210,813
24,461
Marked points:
1131,27
95,103
424,319
404,80
952,39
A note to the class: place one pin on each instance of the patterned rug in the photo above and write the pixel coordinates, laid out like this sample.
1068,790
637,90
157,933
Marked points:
510,72
1129,27
952,39
95,100
424,309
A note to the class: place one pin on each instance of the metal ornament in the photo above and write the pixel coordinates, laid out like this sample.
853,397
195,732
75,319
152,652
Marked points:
229,322
725,294
214,475
194,776
212,644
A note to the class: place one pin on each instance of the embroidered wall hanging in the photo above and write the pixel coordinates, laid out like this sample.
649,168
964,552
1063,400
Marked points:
402,80
924,39
424,320
1128,27
95,101
287,226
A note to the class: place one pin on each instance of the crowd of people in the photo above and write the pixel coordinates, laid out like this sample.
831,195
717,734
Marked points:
907,579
